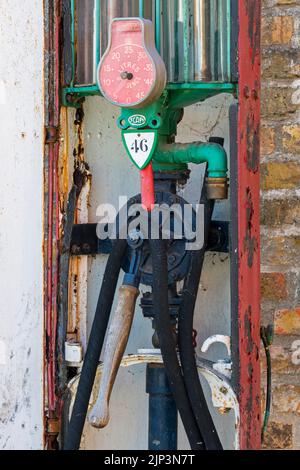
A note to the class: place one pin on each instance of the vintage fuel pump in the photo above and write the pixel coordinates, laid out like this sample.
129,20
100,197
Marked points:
155,59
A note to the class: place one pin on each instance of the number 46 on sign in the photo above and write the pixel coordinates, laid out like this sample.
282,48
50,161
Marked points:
140,146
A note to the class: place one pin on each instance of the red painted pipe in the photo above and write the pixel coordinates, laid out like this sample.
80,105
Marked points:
147,188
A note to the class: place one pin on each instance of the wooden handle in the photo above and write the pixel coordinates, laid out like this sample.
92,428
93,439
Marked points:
115,346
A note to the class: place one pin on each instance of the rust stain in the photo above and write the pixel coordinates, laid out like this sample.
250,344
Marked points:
81,177
78,123
248,330
248,210
250,241
64,160
253,10
252,352
249,347
253,143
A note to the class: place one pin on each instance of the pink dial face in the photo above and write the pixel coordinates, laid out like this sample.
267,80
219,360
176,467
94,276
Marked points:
127,72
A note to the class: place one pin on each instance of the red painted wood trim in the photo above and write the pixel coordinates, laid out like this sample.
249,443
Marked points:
248,222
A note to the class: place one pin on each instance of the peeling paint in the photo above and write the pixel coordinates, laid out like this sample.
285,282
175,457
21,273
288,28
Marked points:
21,195
250,241
248,283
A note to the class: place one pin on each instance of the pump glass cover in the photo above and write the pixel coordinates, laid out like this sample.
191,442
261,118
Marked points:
192,36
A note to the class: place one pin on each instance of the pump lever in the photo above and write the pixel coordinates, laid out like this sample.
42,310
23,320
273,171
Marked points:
114,349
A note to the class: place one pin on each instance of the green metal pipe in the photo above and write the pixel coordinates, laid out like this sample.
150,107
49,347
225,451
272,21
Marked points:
172,155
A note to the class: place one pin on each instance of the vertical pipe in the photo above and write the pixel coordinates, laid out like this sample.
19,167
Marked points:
202,39
85,42
141,8
213,39
73,40
163,416
97,36
179,40
224,51
222,43
158,25
185,38
228,29
169,38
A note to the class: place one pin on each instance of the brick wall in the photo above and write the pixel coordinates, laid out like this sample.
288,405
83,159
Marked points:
280,213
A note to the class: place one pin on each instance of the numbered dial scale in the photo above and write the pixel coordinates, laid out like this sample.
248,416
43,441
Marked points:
131,73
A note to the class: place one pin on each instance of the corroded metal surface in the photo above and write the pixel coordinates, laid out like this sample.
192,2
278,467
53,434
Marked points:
248,223
52,212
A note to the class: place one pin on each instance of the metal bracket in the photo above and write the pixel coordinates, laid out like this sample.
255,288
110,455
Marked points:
223,366
84,239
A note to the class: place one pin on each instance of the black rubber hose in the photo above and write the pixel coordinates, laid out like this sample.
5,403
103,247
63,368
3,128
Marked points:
95,344
167,342
185,341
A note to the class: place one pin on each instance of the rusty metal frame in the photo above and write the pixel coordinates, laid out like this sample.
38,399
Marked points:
245,256
52,23
245,242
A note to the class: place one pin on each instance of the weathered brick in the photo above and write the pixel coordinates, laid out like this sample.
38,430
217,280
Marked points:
267,142
291,138
286,2
273,3
278,436
280,251
286,398
287,322
280,175
283,362
276,102
275,212
273,286
277,65
277,30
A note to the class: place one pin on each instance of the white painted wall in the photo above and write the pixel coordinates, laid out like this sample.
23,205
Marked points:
21,224
112,174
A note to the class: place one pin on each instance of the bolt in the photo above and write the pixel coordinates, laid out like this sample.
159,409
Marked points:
224,390
126,76
93,420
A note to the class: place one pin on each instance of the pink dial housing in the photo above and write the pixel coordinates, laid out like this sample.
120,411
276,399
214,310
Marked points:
129,68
